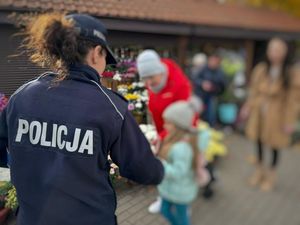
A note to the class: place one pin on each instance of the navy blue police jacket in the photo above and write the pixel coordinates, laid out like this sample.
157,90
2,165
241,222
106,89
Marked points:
58,136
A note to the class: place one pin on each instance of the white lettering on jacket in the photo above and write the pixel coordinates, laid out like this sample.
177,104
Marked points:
36,132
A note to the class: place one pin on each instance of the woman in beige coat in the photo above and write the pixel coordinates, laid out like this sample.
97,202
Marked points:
271,110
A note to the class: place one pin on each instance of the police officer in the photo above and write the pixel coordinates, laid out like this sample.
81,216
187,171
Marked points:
60,127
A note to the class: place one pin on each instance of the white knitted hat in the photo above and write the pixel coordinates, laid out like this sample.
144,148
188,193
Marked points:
149,64
182,113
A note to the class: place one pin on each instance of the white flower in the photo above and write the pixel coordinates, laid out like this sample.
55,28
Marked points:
141,85
143,128
134,84
151,135
144,99
114,166
112,171
122,91
145,95
138,105
117,77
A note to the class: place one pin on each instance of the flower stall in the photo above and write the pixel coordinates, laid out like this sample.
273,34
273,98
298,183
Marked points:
123,78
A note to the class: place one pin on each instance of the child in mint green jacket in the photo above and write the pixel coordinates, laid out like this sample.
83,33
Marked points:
179,153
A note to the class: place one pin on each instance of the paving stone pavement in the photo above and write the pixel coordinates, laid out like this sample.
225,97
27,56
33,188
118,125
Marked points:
234,203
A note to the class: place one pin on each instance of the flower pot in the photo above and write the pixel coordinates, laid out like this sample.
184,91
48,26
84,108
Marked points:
3,214
109,83
112,84
138,118
228,113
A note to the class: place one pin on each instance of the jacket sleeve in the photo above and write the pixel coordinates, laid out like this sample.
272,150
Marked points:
131,152
292,109
197,81
204,139
181,162
3,139
254,82
184,91
220,84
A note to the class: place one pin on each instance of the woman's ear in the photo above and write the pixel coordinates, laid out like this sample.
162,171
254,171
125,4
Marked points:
97,53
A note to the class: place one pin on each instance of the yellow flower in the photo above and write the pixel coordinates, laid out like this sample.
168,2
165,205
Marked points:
131,97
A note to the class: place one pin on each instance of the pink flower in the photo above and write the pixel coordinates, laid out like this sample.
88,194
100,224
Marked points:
131,107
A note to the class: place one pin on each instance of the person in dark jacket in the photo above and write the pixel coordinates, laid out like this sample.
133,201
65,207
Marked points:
209,83
60,127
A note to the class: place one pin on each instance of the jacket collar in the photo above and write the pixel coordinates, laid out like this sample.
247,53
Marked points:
83,72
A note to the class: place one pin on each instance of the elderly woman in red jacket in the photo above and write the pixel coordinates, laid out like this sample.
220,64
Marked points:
166,84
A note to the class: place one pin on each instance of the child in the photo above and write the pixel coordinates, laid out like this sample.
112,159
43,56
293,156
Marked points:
179,153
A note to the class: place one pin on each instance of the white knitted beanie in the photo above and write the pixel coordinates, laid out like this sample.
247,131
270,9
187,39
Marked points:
149,64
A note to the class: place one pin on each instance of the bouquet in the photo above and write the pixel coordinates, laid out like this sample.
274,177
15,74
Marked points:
151,135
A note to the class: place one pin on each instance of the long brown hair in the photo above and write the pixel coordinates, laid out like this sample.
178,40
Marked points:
286,64
52,41
180,135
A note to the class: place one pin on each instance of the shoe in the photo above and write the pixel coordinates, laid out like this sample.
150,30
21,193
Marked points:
269,181
257,177
155,206
208,192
